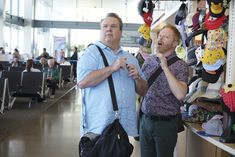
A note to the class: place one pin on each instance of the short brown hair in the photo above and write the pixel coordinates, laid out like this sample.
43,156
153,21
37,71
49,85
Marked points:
174,29
114,15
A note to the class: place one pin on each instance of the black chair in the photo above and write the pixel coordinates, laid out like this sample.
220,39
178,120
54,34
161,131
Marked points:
6,98
66,73
14,81
5,63
3,84
17,69
32,86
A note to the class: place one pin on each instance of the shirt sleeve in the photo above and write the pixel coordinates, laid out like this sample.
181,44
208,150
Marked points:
182,73
87,63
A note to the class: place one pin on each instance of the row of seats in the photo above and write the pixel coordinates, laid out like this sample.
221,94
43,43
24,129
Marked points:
28,84
17,84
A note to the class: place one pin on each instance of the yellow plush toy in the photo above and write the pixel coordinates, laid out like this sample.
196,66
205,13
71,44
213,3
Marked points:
144,30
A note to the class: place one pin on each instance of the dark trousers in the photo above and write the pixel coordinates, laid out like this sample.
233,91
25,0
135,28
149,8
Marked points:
52,84
158,137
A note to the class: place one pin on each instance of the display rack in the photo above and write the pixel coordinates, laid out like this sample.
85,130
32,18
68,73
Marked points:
230,68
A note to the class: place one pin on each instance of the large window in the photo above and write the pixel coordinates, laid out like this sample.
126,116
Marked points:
13,38
56,39
15,7
84,10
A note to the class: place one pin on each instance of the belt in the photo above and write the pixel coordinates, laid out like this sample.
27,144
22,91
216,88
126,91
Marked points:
160,117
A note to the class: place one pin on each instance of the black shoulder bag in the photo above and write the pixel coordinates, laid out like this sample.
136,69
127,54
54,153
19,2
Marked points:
114,141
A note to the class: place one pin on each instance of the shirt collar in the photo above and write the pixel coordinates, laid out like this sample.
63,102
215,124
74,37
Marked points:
103,46
169,56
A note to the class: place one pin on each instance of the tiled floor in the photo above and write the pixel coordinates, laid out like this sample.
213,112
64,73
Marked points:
53,134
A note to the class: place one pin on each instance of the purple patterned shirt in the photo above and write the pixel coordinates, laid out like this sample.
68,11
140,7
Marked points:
159,99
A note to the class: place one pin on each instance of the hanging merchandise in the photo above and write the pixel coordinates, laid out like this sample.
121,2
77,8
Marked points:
212,76
145,6
144,30
148,18
228,95
215,44
181,13
214,23
217,7
145,10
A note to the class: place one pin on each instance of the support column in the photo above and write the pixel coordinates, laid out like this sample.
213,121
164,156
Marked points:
2,8
28,30
230,71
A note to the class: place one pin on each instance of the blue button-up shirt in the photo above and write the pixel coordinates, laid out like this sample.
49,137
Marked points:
97,104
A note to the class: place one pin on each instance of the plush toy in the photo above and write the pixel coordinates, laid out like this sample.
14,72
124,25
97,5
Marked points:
217,7
148,19
144,30
228,95
145,6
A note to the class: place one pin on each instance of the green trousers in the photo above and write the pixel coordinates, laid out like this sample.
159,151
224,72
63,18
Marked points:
158,137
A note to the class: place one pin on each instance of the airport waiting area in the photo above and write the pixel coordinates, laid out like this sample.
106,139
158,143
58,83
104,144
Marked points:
24,97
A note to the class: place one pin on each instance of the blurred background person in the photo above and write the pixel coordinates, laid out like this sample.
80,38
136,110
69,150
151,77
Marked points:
2,50
15,61
52,78
44,54
29,66
73,61
60,56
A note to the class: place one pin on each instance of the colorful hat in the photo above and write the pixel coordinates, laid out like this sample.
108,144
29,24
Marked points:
211,55
211,76
213,67
216,38
181,13
228,95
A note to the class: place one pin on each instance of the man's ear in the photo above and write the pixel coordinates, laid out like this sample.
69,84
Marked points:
175,43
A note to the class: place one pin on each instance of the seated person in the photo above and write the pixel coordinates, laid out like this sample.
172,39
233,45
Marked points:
2,50
44,54
60,57
16,61
16,53
65,62
29,66
52,77
43,63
